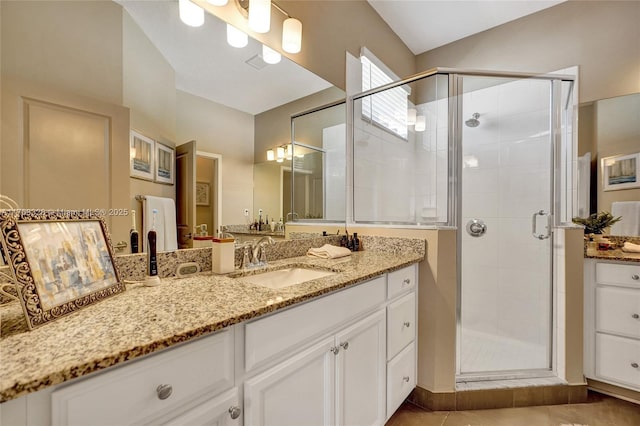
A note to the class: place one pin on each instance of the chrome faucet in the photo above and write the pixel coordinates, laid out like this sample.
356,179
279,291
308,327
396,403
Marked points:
258,255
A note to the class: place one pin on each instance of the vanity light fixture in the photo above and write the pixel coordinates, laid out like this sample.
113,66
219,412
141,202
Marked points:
421,123
236,38
260,15
280,153
270,56
190,13
291,35
270,155
411,116
289,152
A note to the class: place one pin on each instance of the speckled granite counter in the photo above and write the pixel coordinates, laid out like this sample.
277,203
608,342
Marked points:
592,252
146,319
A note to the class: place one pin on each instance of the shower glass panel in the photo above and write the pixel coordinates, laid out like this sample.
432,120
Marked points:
506,140
401,153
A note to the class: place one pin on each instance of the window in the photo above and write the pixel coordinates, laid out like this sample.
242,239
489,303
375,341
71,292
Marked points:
389,108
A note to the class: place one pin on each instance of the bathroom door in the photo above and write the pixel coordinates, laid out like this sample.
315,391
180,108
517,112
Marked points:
505,227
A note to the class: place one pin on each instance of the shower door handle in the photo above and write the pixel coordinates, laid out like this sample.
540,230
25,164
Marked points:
476,227
534,225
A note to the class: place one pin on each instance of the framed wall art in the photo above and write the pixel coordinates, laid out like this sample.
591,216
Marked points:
621,172
165,164
61,261
203,189
142,155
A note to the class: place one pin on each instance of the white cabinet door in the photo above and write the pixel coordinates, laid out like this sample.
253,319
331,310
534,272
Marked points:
298,392
219,411
360,373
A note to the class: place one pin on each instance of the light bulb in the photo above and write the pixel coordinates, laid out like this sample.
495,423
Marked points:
235,37
291,35
218,2
270,56
421,123
280,152
270,155
260,15
190,13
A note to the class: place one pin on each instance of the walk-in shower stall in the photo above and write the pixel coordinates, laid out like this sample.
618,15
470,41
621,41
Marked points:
490,154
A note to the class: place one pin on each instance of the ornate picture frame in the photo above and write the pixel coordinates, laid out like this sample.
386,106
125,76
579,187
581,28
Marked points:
62,261
142,155
165,164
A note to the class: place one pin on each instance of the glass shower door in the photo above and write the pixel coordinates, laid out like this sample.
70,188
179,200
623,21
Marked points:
505,314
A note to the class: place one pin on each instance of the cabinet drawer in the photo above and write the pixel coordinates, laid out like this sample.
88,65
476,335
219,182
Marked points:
128,394
613,273
267,338
617,359
618,310
401,281
213,412
401,378
401,324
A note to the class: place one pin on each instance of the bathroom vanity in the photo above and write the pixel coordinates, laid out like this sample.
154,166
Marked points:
612,318
216,350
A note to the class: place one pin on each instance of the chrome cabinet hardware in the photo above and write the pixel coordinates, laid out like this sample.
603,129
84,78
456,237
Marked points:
344,345
635,277
476,227
234,412
534,225
634,364
635,316
120,245
164,391
335,350
406,281
407,324
406,379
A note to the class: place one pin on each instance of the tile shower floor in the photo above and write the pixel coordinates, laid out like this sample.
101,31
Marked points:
600,410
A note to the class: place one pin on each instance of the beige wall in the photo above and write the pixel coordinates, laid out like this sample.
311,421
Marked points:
599,36
617,132
149,91
221,130
329,28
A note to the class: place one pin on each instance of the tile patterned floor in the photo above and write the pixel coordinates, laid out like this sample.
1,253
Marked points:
600,410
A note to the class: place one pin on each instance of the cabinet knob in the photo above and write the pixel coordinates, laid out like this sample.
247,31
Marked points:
335,350
405,379
407,324
635,277
344,345
406,281
164,391
234,412
635,316
634,364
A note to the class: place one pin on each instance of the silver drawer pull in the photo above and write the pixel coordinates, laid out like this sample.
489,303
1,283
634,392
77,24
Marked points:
344,345
234,412
335,350
634,364
164,391
635,316
407,324
406,281
635,277
405,379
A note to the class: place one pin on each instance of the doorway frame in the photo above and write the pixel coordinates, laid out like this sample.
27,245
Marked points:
217,158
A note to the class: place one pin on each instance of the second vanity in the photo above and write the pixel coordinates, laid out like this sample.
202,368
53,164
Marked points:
336,350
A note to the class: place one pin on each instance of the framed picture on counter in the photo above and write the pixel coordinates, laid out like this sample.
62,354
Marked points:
621,172
142,153
62,261
165,164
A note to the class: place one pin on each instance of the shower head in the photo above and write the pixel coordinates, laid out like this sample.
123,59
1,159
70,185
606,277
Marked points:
473,121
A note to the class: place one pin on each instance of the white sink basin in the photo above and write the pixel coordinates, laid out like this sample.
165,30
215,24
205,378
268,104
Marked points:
286,277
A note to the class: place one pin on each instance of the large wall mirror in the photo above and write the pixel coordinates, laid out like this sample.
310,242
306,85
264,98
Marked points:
77,76
610,132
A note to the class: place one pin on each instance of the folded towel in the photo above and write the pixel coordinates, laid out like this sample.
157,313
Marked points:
631,248
328,251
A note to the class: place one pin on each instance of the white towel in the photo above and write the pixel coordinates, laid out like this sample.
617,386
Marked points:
166,229
328,251
631,248
629,211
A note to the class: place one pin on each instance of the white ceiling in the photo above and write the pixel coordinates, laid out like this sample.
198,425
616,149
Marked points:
426,24
206,66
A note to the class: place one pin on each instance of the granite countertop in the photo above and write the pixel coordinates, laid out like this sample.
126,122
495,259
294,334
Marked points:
143,320
591,252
